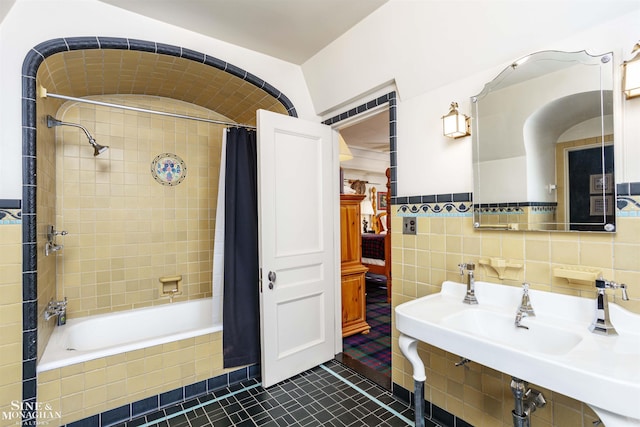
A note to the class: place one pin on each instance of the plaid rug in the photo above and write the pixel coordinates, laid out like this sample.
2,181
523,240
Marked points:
374,349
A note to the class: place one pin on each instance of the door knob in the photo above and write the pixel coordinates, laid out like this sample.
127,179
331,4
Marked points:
272,278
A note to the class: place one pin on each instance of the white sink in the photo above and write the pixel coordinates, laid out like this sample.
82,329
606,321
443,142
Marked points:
557,352
499,327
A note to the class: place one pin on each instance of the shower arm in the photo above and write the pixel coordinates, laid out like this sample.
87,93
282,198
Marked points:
51,122
97,148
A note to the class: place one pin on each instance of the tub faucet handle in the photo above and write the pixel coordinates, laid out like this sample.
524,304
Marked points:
52,233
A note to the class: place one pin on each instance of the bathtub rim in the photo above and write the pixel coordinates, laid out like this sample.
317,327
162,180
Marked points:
59,357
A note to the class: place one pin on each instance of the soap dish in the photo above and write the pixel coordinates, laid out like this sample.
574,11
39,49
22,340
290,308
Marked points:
500,266
577,275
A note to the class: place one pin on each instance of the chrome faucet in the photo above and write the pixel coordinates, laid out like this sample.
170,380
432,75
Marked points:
57,308
470,296
51,245
172,294
601,323
524,309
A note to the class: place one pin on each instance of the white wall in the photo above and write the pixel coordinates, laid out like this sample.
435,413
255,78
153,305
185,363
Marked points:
30,22
436,51
435,59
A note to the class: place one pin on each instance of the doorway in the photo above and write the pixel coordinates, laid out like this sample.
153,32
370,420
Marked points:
591,188
369,138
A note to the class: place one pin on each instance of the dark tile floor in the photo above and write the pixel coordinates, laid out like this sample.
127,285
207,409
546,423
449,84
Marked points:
328,395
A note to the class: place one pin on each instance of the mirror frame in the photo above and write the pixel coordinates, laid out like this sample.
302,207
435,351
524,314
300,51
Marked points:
515,155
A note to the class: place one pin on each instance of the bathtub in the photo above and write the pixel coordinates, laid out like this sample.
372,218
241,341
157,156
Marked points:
102,335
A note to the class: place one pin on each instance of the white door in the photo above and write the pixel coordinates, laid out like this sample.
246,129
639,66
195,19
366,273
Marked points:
298,217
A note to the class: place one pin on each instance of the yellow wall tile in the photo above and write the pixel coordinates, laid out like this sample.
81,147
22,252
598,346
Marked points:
482,396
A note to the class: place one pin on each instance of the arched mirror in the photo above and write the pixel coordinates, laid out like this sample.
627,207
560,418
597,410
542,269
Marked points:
542,134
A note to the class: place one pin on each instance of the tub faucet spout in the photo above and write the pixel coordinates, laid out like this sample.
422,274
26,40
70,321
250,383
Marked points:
172,294
51,247
57,308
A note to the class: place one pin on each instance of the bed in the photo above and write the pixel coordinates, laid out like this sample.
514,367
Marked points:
376,246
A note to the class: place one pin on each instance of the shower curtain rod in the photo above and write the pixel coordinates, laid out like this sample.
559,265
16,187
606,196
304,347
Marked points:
45,94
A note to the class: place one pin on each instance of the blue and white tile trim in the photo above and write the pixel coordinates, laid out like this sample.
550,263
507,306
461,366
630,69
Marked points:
436,205
461,204
516,208
628,200
10,211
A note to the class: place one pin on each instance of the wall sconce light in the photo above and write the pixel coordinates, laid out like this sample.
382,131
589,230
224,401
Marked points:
631,74
454,124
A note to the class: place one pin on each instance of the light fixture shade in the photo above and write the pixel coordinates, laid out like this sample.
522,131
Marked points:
454,124
366,208
345,153
631,75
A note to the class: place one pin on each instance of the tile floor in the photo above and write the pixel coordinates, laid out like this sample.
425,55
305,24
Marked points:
328,395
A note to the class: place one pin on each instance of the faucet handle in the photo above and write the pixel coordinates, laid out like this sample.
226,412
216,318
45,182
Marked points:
625,295
602,284
525,287
52,233
462,266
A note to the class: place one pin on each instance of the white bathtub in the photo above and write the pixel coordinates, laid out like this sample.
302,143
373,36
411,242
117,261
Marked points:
104,335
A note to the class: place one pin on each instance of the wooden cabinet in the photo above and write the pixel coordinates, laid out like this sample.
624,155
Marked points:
354,307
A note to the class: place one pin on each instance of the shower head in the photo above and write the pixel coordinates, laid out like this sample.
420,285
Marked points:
97,148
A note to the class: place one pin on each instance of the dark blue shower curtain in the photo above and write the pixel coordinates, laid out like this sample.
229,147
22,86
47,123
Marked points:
241,310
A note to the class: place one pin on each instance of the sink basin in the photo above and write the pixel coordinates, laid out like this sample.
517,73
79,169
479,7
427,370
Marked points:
557,352
500,328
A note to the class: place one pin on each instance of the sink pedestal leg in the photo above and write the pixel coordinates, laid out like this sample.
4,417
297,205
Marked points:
409,347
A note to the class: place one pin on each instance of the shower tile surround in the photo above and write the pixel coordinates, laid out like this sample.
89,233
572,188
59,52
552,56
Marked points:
189,65
421,263
125,229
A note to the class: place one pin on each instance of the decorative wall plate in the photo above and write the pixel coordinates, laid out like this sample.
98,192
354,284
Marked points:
168,169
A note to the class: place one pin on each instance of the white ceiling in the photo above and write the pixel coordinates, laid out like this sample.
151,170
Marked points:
369,134
292,30
307,26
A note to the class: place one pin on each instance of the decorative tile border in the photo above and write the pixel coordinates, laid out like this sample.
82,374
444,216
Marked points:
10,216
440,205
460,204
10,211
519,209
628,206
628,199
436,209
